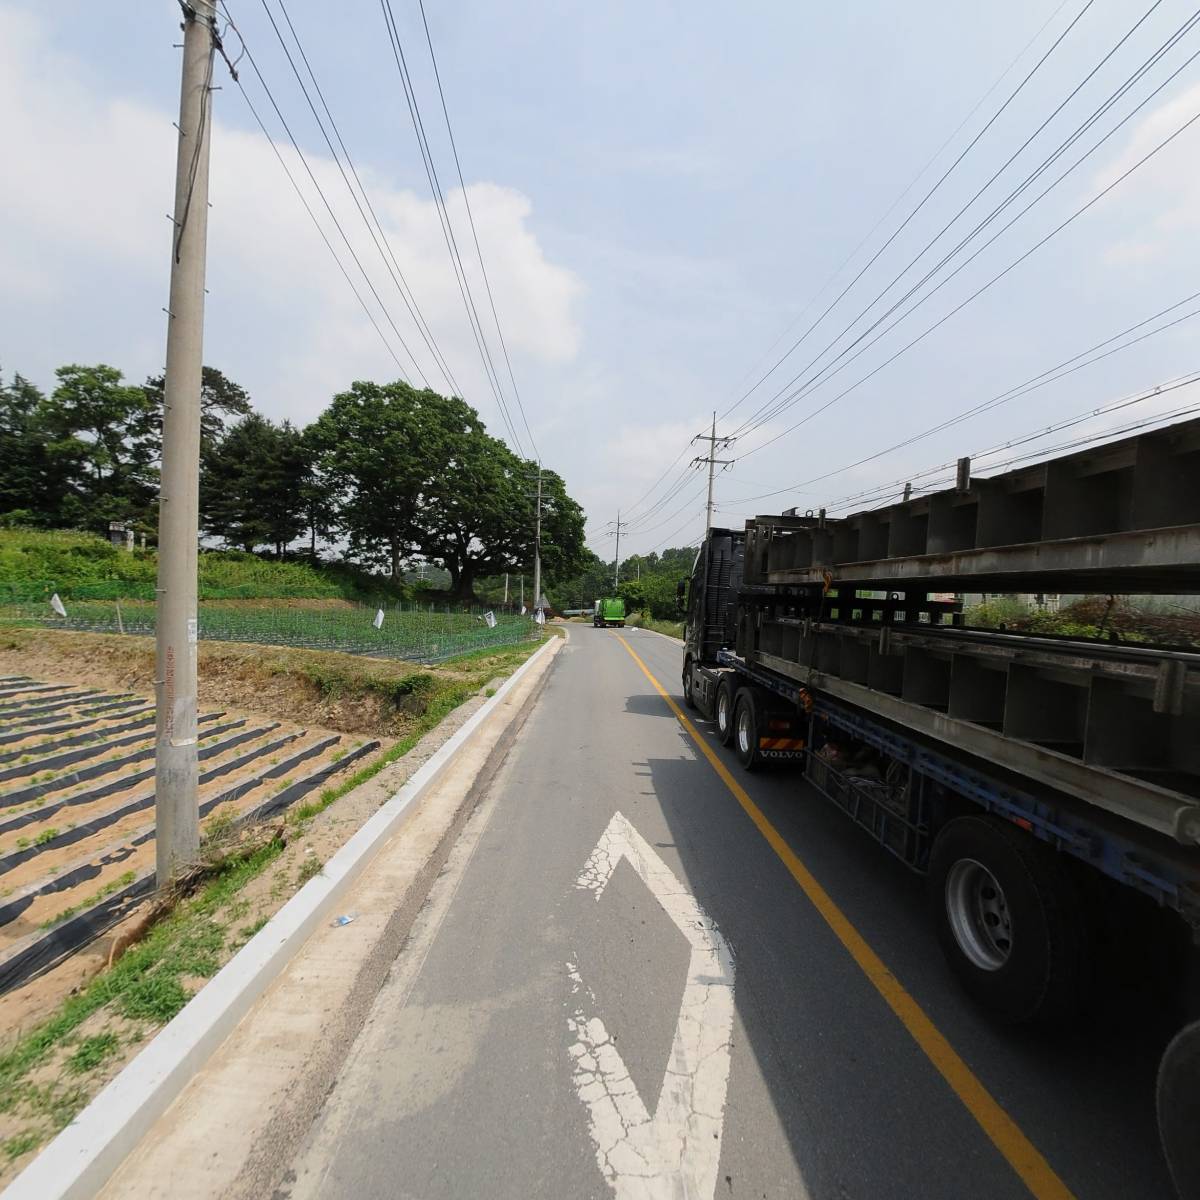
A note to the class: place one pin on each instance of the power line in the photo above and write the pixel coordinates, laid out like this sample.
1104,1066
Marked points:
389,259
937,185
489,367
895,204
925,199
1050,375
980,290
474,234
320,192
1161,389
766,412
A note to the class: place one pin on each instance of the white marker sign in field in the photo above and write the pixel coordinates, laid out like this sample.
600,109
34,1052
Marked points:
674,1152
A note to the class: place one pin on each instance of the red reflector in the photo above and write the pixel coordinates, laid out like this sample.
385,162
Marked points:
779,725
1024,824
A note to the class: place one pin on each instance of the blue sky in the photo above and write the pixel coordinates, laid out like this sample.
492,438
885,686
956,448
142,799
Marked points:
660,191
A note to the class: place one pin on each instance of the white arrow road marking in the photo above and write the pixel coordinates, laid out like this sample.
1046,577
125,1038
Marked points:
675,1154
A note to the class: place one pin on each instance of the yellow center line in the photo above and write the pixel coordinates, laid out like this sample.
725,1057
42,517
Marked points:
1004,1133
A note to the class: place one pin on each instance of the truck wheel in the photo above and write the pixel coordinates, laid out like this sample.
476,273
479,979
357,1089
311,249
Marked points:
1009,921
723,712
745,731
1179,1109
689,695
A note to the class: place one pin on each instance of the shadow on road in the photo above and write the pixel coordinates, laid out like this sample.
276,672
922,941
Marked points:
864,1111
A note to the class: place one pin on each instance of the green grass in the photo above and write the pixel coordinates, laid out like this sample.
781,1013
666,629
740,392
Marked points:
670,628
310,867
92,1052
440,705
21,1144
149,982
84,565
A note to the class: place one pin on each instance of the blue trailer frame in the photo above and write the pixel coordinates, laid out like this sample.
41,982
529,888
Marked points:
1134,857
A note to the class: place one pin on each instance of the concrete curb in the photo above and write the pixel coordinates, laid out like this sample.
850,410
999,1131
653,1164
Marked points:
78,1162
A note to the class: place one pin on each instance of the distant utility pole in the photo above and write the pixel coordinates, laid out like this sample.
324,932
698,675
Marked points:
176,807
713,461
537,545
617,555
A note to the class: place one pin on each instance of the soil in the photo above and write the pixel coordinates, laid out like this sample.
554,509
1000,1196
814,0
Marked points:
271,681
315,840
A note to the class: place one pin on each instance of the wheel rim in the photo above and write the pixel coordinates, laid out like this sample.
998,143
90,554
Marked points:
723,711
687,684
979,915
743,731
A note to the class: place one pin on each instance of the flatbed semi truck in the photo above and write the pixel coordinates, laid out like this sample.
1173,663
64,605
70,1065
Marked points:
1038,782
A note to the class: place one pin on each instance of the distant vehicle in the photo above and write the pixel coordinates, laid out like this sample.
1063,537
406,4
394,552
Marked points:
610,610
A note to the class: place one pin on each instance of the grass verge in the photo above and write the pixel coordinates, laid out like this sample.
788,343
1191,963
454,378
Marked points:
44,1073
670,628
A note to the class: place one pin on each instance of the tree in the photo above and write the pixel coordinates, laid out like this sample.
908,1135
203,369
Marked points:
26,482
220,398
592,580
252,485
375,449
102,446
478,517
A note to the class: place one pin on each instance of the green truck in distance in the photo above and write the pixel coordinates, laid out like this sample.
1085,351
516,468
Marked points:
610,610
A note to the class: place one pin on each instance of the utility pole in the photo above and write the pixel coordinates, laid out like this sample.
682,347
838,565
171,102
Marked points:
522,593
617,555
713,461
176,807
505,589
537,546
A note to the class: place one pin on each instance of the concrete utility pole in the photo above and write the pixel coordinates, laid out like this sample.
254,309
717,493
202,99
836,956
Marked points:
617,553
177,813
537,547
713,461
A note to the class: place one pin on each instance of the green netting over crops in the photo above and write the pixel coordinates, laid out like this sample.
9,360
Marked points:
414,632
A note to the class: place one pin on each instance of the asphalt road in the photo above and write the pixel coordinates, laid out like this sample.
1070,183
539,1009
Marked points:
651,1004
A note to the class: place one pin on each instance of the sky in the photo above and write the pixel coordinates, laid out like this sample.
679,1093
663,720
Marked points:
666,196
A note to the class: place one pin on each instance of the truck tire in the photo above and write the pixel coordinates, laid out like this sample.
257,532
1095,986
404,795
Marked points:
1179,1109
723,712
1009,921
689,694
745,730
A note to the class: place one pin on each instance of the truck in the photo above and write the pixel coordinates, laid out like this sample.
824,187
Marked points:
1046,787
609,610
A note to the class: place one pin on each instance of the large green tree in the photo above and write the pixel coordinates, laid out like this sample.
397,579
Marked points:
413,473
376,449
102,439
252,485
220,399
478,516
27,484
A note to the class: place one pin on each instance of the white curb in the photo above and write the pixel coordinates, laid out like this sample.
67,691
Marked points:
78,1162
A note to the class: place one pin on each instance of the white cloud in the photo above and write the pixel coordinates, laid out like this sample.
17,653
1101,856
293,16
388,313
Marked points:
84,215
1166,190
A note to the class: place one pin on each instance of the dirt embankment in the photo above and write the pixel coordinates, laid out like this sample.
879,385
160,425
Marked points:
340,692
